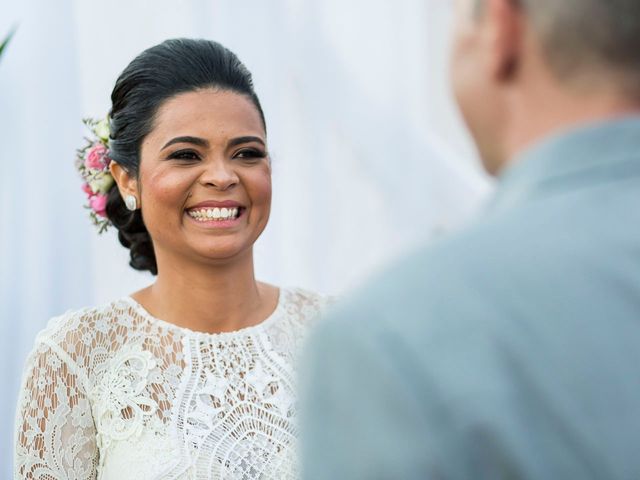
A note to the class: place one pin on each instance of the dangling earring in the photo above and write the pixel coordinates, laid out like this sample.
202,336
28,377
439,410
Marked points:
131,202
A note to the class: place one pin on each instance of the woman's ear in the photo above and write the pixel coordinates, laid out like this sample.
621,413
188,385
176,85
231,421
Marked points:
127,184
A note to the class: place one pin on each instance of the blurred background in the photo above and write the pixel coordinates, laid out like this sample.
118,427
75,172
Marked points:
370,156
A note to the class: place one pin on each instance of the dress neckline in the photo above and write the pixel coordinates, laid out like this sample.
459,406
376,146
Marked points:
277,313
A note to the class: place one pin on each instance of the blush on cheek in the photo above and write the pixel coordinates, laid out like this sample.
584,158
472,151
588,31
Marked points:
263,191
168,189
258,182
259,189
265,186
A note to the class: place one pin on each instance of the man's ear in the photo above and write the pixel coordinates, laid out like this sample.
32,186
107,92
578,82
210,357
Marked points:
127,184
505,30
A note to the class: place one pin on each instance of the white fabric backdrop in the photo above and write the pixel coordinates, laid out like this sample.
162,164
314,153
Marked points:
369,154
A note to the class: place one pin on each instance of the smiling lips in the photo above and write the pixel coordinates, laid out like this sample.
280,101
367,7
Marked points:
216,211
217,214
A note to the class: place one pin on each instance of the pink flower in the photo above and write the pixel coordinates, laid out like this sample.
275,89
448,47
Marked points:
96,157
87,189
98,204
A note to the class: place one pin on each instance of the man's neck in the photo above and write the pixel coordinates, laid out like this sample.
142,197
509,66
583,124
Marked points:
551,113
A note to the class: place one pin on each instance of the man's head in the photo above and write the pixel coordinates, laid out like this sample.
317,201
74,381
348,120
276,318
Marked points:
523,68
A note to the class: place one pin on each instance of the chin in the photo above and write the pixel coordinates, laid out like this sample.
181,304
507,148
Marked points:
222,250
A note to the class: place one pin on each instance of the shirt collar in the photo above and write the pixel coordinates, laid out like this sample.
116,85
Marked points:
593,152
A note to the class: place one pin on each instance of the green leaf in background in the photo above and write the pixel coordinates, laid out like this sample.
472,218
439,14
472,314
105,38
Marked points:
6,41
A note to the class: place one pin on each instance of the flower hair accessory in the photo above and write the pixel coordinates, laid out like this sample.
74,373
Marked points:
92,161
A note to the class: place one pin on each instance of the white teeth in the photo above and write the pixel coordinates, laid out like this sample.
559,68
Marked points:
207,214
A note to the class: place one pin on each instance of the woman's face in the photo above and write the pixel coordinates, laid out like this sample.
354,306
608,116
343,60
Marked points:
205,176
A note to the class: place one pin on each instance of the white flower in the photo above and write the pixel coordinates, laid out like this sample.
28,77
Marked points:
102,129
101,182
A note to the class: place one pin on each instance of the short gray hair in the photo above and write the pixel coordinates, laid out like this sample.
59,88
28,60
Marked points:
583,37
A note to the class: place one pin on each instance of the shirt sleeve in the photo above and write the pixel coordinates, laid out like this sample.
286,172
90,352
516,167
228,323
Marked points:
55,434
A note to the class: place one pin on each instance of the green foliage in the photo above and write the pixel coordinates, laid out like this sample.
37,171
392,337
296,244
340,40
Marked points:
6,41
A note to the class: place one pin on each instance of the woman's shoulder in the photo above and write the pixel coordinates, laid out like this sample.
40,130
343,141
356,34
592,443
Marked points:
78,322
88,335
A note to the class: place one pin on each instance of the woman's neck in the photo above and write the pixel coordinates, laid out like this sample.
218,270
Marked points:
201,297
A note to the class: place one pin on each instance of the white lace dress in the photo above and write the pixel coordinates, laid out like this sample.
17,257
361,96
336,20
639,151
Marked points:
114,393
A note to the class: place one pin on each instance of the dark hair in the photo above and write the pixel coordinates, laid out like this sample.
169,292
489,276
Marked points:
156,75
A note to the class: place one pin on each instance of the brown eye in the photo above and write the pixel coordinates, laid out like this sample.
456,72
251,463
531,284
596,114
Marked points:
250,154
185,155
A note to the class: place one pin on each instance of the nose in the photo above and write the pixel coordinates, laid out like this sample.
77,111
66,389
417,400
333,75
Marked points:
219,174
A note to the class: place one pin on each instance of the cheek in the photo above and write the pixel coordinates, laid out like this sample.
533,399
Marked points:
258,184
166,187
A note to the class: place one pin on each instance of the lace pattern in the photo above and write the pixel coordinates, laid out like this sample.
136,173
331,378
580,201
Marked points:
112,393
120,398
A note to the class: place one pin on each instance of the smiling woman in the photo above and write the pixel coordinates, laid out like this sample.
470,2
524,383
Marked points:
191,377
206,152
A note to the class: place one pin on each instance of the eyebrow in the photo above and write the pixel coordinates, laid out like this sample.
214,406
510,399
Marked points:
201,142
246,139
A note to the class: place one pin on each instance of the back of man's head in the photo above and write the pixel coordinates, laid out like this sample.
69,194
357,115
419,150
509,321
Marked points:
522,69
590,40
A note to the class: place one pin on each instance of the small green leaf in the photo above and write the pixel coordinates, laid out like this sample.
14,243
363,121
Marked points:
6,41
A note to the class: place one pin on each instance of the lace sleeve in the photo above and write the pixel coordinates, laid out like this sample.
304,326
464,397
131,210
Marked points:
54,432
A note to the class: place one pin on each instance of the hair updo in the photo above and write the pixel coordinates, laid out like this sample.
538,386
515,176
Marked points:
153,77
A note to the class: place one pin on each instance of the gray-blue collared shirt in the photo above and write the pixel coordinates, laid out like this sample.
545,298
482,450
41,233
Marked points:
508,350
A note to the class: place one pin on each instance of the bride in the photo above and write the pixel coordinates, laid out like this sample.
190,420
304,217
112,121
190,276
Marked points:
193,376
